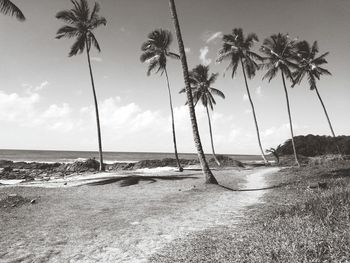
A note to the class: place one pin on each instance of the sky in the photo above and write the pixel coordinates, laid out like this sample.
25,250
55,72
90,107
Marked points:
46,99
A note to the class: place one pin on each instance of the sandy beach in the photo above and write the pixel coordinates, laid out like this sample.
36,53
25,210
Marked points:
111,223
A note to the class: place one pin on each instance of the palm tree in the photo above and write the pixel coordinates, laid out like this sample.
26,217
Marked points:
274,152
9,8
156,51
237,49
280,50
209,177
309,65
81,22
202,91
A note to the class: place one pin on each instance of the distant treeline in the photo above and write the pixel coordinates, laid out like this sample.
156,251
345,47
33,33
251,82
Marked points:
314,145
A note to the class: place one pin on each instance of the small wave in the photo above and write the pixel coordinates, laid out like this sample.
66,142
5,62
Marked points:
10,182
156,170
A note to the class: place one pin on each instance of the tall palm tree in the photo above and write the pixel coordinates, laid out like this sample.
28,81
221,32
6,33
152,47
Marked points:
309,65
280,51
202,91
81,22
156,51
9,8
209,177
237,49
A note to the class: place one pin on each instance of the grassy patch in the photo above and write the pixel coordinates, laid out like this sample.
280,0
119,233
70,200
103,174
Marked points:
299,224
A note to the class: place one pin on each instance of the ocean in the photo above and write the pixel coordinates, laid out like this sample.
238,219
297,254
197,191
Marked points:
109,157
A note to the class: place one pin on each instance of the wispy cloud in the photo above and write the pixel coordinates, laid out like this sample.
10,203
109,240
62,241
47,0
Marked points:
214,36
187,50
245,97
25,111
97,59
203,56
258,91
30,88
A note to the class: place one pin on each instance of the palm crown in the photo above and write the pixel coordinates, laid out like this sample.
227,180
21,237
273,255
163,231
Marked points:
281,52
9,8
201,86
81,23
156,50
309,64
237,47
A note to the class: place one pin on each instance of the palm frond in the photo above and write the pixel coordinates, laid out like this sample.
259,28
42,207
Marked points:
324,71
147,55
312,81
173,55
217,92
9,8
158,43
81,24
95,10
271,73
68,32
92,39
67,16
78,46
152,66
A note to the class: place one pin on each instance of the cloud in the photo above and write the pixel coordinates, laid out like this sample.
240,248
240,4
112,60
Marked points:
97,59
31,89
14,107
25,111
245,97
258,91
203,56
214,36
187,50
123,119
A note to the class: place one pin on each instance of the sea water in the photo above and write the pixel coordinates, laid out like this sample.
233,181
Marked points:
109,157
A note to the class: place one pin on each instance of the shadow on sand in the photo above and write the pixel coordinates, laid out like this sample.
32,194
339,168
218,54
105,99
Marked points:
255,189
135,179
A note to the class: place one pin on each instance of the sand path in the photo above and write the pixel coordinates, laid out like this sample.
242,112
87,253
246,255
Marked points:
108,223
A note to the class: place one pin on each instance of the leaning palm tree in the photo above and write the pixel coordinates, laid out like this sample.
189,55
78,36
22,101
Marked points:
280,51
155,52
209,177
237,50
202,91
9,8
309,65
81,22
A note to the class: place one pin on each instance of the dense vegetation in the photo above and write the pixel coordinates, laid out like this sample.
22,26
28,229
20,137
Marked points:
315,145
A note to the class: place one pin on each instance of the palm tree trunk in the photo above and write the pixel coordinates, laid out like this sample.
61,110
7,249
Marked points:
290,119
173,122
329,121
211,138
254,115
209,177
325,111
96,110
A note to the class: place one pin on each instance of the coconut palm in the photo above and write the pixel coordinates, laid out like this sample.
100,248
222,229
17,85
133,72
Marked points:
236,49
155,52
280,51
209,177
309,65
9,8
81,22
202,90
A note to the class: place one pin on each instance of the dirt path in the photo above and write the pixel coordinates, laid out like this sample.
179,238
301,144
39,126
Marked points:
109,223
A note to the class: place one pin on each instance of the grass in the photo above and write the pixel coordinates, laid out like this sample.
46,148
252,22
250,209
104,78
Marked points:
295,224
304,225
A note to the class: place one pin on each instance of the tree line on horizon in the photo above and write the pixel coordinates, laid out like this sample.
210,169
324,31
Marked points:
294,60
